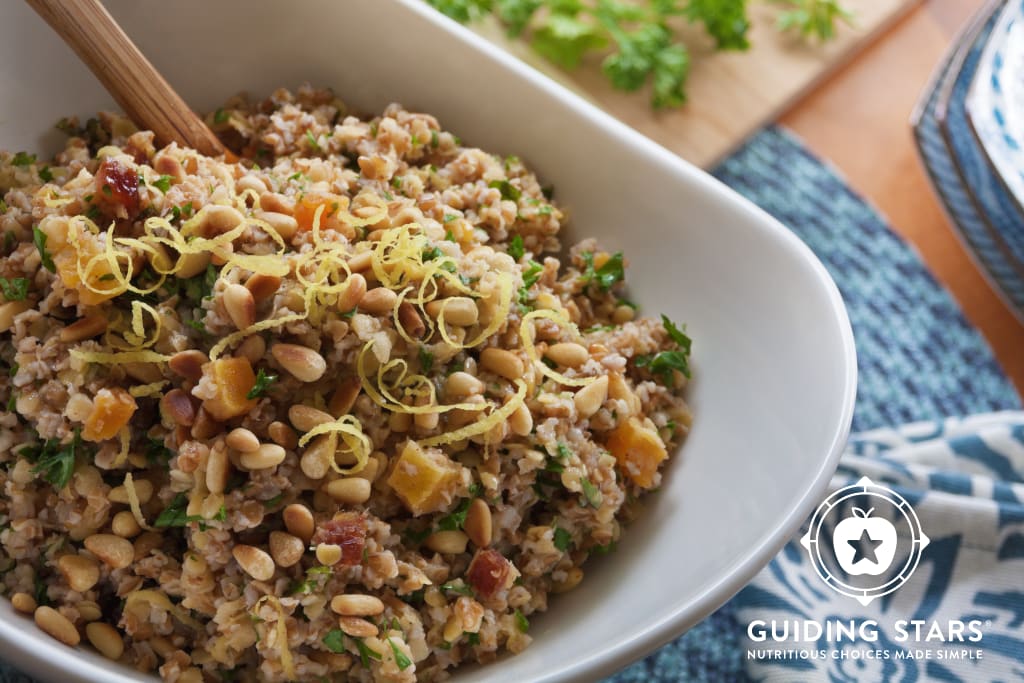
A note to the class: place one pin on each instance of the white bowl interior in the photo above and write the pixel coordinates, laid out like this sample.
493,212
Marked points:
773,353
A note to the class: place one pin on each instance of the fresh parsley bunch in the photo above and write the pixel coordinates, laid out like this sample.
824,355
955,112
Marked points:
638,35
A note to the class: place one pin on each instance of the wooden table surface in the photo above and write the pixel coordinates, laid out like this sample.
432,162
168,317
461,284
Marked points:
858,120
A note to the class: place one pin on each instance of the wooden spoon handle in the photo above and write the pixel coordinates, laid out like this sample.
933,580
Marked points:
136,86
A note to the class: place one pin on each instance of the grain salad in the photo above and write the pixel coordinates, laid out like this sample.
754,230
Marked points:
340,408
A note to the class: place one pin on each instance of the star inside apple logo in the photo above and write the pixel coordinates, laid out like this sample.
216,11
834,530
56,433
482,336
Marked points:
864,540
864,544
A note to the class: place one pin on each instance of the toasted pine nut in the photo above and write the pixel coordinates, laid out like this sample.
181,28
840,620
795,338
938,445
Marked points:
143,489
269,455
447,542
113,551
85,328
190,265
351,491
278,203
177,407
188,364
218,468
590,398
217,219
410,320
306,418
502,362
286,549
478,523
569,354
9,311
254,561
316,459
623,314
240,305
125,525
57,625
252,348
353,293
378,301
283,435
426,421
106,639
356,627
344,397
573,578
460,384
619,390
299,521
521,421
328,554
89,610
145,544
263,286
458,310
284,225
165,164
353,605
205,427
305,364
452,629
361,262
81,572
24,603
242,440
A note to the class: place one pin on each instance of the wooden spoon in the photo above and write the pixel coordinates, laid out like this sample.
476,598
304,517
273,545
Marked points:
137,87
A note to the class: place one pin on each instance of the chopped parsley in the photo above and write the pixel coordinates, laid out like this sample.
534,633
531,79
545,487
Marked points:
448,218
434,139
263,382
426,360
530,277
455,520
472,639
457,586
507,189
23,159
45,174
563,451
55,462
221,116
366,653
449,236
607,275
591,494
163,183
432,253
175,515
664,363
563,539
157,452
39,239
522,623
201,286
625,302
313,142
401,659
183,210
3,208
335,641
15,289
273,502
515,248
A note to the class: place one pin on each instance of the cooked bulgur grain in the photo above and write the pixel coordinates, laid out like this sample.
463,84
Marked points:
336,411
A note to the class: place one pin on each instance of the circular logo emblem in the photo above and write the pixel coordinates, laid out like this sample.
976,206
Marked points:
865,541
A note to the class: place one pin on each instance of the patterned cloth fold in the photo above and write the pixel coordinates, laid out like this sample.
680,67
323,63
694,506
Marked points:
965,479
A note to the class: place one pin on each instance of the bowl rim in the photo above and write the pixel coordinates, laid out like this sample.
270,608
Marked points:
31,651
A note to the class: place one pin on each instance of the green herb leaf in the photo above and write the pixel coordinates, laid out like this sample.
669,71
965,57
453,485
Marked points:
725,20
401,659
591,494
432,253
45,174
56,463
163,183
39,239
221,116
522,623
313,142
271,503
507,189
23,159
366,653
457,586
813,18
564,39
449,217
455,520
664,363
156,452
563,451
15,289
426,360
263,382
516,249
563,539
174,515
610,272
334,640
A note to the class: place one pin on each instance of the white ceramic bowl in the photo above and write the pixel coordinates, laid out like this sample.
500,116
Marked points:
775,369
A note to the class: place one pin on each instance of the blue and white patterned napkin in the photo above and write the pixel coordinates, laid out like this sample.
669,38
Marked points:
965,479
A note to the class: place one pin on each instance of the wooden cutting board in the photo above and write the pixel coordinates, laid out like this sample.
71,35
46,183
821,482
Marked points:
730,94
